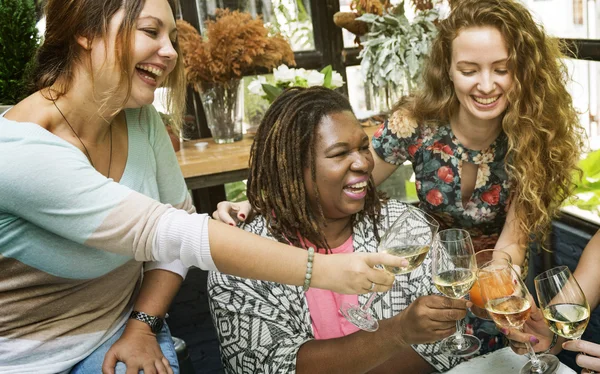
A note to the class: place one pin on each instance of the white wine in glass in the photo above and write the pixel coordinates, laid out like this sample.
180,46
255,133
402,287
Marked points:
454,271
508,302
409,237
563,303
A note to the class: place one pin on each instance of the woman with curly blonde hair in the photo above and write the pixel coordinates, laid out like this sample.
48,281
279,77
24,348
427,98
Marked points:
492,135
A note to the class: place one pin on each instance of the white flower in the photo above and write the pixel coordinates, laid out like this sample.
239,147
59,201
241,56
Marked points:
283,74
315,78
482,175
255,86
301,73
336,80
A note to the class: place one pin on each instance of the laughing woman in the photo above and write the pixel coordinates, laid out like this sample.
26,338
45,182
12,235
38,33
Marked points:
310,181
90,188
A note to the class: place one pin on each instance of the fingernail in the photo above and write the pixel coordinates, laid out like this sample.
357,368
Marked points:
504,331
242,216
231,224
533,340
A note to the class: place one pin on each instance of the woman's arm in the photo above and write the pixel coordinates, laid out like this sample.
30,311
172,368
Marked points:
277,336
138,348
512,240
382,170
426,320
537,330
247,255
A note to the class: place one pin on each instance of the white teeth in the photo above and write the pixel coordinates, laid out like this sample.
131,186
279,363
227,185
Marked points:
154,70
486,101
358,185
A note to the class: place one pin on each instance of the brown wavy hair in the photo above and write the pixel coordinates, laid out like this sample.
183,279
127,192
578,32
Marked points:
57,57
283,146
542,126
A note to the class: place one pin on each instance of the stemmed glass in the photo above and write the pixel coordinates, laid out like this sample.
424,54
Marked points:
454,271
409,237
563,303
483,257
508,302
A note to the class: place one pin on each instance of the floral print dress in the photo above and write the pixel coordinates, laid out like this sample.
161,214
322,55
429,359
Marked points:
437,157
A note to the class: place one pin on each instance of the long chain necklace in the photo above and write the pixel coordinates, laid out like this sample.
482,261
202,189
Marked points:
87,153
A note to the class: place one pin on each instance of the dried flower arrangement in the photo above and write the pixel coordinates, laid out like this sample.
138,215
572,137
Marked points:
234,45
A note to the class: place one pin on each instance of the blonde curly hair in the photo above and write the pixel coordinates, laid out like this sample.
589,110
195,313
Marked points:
541,124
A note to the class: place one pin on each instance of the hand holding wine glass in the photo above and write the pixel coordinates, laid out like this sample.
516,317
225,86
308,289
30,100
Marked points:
454,272
409,237
511,308
563,303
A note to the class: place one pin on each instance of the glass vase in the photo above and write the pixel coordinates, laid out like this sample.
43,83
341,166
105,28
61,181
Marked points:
223,110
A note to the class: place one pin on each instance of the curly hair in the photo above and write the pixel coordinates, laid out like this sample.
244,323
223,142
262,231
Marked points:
284,145
541,124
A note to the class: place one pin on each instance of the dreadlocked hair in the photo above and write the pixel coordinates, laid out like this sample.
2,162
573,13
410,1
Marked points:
541,123
284,145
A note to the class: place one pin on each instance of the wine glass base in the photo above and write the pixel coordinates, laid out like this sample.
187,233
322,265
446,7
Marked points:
550,364
467,346
359,317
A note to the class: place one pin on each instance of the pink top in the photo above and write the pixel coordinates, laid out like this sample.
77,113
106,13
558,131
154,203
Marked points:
324,306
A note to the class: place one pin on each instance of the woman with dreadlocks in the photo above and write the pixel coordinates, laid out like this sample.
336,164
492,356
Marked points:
310,182
492,134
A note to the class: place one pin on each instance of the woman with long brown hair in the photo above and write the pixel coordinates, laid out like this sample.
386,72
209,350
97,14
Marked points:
91,188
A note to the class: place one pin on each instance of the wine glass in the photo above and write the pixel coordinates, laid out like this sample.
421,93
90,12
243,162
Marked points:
409,237
454,271
483,257
563,303
508,302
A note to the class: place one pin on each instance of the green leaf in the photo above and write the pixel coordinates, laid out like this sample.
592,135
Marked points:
328,71
271,91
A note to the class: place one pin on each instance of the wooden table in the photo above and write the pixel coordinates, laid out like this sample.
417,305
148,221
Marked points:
216,165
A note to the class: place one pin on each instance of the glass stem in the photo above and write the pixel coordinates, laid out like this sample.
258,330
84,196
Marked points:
369,302
536,364
458,334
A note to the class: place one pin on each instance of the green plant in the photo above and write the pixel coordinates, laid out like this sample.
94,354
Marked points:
18,42
396,48
587,192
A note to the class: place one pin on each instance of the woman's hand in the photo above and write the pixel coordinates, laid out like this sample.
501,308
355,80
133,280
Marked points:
233,213
591,362
429,319
354,273
138,349
535,332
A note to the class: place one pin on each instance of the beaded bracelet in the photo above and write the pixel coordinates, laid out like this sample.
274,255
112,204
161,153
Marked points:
309,268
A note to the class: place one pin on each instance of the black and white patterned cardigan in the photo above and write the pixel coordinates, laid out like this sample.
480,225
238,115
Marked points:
261,325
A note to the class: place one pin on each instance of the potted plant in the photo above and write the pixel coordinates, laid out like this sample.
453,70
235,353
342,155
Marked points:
393,54
234,45
18,43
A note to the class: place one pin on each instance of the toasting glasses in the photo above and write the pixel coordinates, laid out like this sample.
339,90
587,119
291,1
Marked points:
454,271
409,237
508,302
563,303
483,257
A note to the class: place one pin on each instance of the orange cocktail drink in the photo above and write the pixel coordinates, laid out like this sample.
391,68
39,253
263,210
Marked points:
502,287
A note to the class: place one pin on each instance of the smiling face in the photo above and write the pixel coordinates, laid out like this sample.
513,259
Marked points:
480,73
153,56
343,165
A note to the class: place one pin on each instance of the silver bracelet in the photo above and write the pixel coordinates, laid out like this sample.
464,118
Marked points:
309,268
552,344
